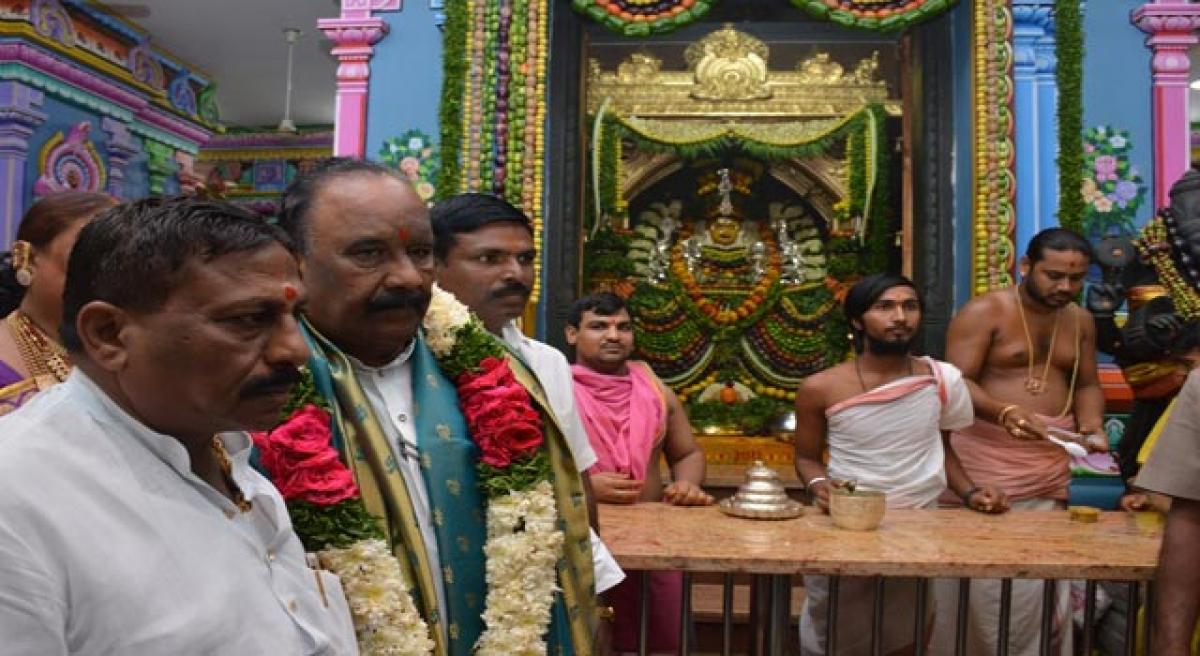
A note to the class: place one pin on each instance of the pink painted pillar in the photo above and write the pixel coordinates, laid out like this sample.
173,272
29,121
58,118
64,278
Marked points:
353,35
1171,25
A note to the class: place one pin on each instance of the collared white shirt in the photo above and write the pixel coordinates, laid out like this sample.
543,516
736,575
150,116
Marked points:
109,544
389,390
554,373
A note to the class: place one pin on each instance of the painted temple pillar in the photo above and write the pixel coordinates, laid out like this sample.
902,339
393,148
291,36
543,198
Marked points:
1047,127
354,34
19,116
1171,26
160,166
1034,97
123,149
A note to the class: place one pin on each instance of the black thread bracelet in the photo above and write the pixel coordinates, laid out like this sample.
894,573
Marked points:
966,497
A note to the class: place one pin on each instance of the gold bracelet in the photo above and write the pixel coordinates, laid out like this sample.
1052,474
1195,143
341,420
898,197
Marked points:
1004,413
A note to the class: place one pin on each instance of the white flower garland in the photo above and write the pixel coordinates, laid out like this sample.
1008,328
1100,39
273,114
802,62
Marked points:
386,621
444,318
523,544
521,572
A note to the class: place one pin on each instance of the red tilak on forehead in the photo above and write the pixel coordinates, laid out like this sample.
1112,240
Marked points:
290,293
404,234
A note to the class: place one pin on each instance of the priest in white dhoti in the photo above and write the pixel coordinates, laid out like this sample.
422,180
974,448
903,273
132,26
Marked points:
884,417
131,520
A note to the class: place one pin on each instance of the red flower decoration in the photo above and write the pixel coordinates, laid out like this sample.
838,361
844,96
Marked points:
301,460
499,414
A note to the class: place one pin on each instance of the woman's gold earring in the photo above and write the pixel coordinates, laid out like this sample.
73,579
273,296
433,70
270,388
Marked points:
24,276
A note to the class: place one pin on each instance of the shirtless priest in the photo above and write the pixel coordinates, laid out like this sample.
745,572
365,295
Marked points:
885,417
631,418
1028,353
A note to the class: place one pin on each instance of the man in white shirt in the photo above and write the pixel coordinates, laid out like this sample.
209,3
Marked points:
132,522
368,265
484,252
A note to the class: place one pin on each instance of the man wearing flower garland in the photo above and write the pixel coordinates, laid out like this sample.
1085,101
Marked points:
132,521
367,260
1028,353
484,255
632,418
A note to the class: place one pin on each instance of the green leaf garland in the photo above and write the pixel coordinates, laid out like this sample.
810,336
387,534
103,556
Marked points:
1068,48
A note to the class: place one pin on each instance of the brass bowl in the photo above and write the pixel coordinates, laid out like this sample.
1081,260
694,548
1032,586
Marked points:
861,510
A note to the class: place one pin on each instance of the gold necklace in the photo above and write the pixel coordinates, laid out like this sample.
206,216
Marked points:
1034,385
42,356
226,465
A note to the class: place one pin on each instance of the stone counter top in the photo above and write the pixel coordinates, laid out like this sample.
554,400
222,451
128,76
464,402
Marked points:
952,543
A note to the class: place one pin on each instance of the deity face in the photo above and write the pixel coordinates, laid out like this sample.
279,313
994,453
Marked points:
368,265
1056,279
725,231
491,271
603,343
892,320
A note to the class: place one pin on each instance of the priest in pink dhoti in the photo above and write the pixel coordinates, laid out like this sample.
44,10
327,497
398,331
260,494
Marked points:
632,419
885,418
1029,354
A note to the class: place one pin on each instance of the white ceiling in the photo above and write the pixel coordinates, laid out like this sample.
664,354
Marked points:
240,45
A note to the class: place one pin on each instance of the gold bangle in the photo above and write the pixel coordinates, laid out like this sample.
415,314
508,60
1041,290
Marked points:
605,612
1000,416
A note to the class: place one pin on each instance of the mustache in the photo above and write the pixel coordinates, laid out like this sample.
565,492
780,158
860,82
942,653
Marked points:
283,377
510,288
416,300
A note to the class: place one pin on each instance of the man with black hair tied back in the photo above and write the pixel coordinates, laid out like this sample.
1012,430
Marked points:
31,286
133,522
885,417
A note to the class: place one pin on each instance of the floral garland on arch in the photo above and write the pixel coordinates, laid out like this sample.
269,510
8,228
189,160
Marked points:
329,516
523,542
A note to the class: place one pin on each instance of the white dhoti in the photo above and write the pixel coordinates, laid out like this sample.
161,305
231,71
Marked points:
1025,615
888,439
855,614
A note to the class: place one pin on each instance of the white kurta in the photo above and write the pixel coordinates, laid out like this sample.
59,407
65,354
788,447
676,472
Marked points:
554,373
109,544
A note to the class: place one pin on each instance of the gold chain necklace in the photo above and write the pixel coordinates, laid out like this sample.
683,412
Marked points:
42,356
226,464
1034,385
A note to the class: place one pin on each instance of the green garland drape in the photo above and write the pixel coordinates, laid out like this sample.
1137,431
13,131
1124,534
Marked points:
641,19
877,15
863,132
1068,49
450,111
